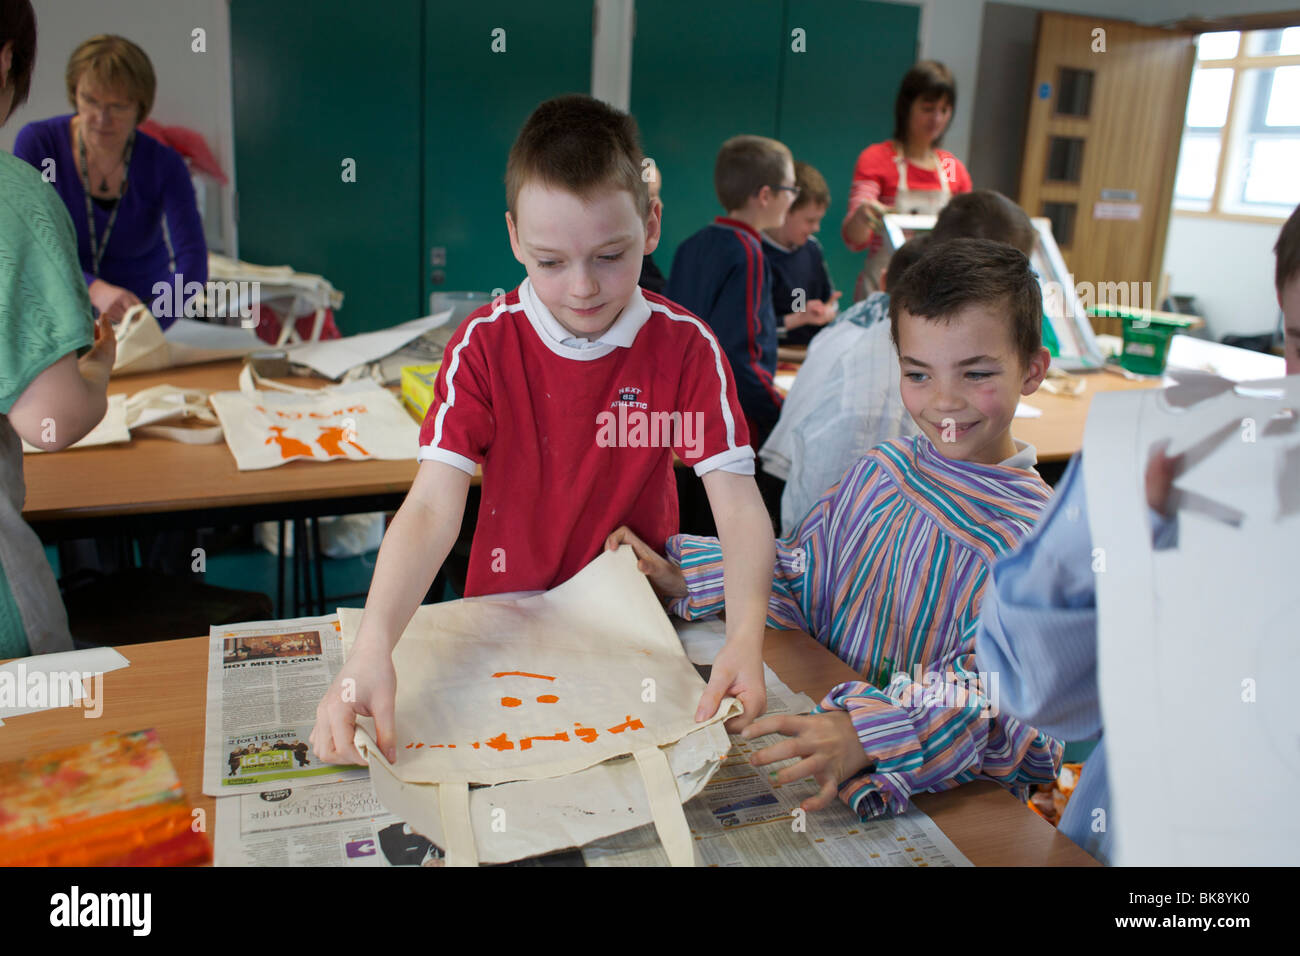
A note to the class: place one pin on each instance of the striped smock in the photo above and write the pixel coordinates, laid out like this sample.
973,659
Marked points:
888,570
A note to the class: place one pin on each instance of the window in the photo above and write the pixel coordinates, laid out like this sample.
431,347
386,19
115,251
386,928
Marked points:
1240,152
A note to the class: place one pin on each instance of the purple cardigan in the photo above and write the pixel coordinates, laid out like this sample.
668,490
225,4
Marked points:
158,186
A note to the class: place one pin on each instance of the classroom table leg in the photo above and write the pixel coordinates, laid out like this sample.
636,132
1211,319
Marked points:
297,567
318,560
279,572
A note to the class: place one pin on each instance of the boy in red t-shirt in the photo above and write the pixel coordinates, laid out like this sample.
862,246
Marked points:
572,392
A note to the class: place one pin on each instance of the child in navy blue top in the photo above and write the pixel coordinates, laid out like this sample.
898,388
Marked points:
720,275
803,296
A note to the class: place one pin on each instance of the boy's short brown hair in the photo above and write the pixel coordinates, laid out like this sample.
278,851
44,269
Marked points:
985,214
952,275
579,144
813,190
745,165
903,258
114,62
1288,251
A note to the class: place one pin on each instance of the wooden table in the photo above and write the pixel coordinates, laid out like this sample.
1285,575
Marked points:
1058,434
166,688
154,482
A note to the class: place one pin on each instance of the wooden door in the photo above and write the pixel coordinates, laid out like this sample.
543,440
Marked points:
1101,147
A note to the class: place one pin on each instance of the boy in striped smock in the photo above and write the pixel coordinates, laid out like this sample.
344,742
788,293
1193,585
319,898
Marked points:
888,567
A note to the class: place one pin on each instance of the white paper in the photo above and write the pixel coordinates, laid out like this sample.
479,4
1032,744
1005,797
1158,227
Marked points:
334,824
1226,361
333,357
191,333
1197,642
1025,410
46,681
264,681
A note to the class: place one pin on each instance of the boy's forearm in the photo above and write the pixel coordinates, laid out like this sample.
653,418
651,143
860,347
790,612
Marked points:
749,551
414,547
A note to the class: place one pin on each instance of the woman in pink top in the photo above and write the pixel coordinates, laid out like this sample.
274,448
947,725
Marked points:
907,174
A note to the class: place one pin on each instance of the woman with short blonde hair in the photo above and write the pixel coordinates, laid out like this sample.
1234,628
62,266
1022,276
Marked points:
121,186
113,62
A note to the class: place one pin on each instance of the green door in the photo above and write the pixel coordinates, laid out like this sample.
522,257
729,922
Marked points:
837,98
702,72
318,83
487,66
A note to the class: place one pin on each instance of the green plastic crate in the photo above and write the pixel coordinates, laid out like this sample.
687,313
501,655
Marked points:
1146,337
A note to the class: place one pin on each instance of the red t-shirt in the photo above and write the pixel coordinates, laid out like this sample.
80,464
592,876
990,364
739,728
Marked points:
575,442
876,177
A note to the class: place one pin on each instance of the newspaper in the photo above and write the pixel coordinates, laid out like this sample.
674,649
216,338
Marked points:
334,824
741,818
264,681
744,819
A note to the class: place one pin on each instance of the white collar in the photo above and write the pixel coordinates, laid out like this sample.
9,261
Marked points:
776,245
1025,458
619,335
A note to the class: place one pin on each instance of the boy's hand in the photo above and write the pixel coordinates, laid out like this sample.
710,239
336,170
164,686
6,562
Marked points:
737,672
1161,471
367,685
827,743
665,577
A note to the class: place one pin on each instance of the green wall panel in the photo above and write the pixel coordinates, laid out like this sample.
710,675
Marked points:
476,98
315,82
701,73
837,98
704,72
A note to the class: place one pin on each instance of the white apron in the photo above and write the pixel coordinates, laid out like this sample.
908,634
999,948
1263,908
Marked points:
910,202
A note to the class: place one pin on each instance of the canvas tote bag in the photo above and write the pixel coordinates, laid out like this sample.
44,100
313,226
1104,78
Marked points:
153,413
141,346
531,725
267,423
1197,642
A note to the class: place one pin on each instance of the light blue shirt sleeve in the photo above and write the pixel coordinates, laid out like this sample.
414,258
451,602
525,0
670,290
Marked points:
1038,621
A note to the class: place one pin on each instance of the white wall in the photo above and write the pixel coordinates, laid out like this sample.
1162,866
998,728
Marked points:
194,89
950,32
1228,266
